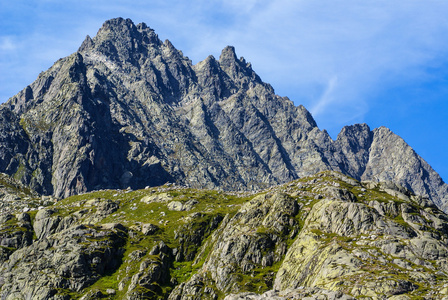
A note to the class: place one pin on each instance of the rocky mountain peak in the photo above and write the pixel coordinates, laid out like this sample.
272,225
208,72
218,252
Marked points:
128,110
228,56
117,24
142,26
122,41
86,44
235,68
121,28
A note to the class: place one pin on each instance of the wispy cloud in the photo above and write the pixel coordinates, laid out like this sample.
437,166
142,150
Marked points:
326,99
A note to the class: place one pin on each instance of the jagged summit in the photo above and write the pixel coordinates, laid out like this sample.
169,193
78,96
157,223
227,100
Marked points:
228,57
123,28
130,110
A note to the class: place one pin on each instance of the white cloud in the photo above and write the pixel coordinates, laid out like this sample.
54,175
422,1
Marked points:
7,44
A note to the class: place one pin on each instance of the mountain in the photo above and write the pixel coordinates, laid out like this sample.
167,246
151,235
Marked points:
128,110
327,236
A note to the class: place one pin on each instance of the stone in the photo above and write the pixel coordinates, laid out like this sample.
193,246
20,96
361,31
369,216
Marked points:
175,205
162,197
111,292
149,229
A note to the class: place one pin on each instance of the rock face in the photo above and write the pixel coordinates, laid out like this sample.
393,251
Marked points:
325,238
130,110
69,260
322,237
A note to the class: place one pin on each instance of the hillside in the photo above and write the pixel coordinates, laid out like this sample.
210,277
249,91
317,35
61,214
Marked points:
327,236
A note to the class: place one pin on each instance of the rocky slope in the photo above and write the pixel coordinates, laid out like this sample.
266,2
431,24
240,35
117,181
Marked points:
322,237
14,196
130,110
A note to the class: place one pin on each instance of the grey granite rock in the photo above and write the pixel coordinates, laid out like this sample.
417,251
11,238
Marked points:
69,260
128,110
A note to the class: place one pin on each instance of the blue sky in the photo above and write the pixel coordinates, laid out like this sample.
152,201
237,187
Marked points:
380,62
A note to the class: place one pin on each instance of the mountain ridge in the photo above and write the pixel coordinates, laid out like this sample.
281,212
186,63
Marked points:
130,110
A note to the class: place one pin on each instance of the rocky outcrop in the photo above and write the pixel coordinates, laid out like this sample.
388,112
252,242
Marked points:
329,233
52,267
153,272
253,239
327,236
399,163
15,233
128,110
15,196
302,293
